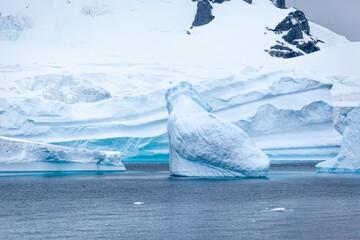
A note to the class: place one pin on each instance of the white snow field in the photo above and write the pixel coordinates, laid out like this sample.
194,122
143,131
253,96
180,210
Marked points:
93,75
20,155
201,145
348,159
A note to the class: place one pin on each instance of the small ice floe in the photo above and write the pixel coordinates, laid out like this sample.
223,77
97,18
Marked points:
139,203
280,209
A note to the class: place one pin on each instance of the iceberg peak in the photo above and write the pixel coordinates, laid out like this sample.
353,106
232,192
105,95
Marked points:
185,89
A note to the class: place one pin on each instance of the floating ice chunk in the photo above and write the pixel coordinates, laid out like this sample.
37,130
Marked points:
280,209
139,203
348,159
15,151
202,145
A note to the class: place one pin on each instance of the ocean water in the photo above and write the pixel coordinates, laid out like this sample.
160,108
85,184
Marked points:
146,202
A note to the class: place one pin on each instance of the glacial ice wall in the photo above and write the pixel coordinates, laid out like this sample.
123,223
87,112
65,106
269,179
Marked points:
135,124
348,159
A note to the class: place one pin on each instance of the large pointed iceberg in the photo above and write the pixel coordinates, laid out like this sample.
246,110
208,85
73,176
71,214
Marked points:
22,155
203,145
348,159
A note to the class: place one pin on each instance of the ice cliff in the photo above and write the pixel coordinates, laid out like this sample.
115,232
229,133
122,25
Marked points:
290,118
203,145
348,159
15,152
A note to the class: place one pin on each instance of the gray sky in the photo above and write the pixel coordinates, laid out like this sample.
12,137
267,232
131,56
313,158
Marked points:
340,16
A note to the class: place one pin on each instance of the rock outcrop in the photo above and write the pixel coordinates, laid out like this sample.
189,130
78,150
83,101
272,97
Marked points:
296,31
279,3
203,13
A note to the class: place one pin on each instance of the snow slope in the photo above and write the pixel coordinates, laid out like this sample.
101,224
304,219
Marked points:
93,74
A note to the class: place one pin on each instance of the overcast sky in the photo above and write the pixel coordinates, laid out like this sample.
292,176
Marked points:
340,16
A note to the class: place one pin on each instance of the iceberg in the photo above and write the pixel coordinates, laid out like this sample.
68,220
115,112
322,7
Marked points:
201,145
348,159
21,155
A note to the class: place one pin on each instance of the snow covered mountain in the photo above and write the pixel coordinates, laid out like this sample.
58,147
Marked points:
93,74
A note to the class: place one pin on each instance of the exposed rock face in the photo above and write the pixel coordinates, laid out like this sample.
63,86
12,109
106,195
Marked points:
279,3
294,20
309,47
298,34
218,1
282,51
295,29
204,11
203,14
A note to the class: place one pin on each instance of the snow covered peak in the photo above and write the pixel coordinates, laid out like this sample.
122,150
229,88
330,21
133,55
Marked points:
82,30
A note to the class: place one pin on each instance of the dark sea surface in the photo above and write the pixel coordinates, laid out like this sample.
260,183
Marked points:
101,206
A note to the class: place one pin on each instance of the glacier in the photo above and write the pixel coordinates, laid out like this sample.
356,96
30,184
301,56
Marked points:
122,122
348,159
60,86
21,155
202,145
